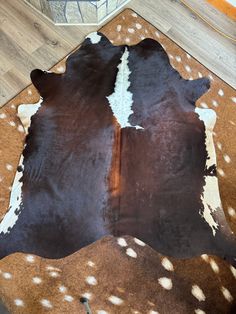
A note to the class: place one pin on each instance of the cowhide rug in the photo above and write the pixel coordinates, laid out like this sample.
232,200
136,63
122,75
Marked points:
117,147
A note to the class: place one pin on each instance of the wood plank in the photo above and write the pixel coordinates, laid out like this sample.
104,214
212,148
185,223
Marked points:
6,91
25,40
5,64
219,20
15,54
45,63
18,79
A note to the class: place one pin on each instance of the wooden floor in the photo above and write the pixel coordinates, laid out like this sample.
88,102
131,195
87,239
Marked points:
28,40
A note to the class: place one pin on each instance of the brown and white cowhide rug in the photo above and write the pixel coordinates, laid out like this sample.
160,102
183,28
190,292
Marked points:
117,147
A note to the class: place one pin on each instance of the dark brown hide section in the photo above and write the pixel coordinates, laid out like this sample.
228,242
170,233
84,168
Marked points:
85,177
68,157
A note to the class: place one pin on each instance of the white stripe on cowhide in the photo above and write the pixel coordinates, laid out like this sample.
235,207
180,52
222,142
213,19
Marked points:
121,100
210,196
25,112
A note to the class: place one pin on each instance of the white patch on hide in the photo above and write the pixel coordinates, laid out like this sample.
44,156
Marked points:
62,289
210,196
54,274
91,264
214,266
18,302
139,242
91,280
30,258
46,303
221,92
231,211
87,295
166,263
199,311
68,298
9,167
25,112
210,202
166,283
226,293
122,242
36,280
94,37
205,257
233,270
20,128
7,275
115,300
121,100
13,212
198,293
131,253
